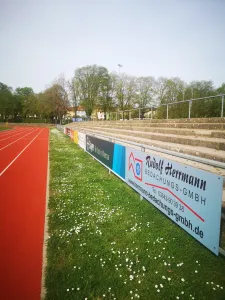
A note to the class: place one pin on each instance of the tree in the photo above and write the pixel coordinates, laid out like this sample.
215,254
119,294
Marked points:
74,93
89,82
221,89
22,95
30,105
45,106
6,101
106,94
126,91
203,108
161,90
145,91
56,100
175,89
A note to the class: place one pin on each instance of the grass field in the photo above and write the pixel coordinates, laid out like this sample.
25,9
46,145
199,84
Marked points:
106,243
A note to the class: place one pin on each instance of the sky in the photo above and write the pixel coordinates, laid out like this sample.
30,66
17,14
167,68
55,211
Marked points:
39,40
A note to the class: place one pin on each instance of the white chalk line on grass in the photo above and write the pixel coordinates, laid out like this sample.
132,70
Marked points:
9,137
20,153
17,140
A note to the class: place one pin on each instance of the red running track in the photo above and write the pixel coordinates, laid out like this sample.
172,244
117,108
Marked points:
23,179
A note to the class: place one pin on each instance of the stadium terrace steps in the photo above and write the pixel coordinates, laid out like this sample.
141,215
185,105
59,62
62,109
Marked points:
212,126
197,137
178,131
204,152
215,143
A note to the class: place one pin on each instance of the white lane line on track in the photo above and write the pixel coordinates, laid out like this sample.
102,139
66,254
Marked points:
13,135
20,153
18,139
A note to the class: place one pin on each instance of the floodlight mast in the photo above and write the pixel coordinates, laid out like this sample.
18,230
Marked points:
120,66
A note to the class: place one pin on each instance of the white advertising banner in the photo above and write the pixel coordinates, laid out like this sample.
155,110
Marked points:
82,140
191,197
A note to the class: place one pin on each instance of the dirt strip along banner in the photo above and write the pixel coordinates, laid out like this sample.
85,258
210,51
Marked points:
191,197
82,140
110,154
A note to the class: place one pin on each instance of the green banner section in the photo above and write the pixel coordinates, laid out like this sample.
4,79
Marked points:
102,150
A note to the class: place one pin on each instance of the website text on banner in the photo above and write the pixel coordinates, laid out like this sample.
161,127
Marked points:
110,154
190,197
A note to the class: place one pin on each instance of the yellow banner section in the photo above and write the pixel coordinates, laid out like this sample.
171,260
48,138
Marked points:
75,136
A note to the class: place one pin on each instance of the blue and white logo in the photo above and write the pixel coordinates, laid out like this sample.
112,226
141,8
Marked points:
138,168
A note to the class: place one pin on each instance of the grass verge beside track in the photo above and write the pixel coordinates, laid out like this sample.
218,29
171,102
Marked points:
106,243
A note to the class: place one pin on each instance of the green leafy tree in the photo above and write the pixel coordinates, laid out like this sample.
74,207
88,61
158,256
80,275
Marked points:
89,82
55,100
221,89
206,107
145,91
106,93
22,96
6,101
126,92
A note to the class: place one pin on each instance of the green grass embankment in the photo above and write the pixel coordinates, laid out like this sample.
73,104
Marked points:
106,243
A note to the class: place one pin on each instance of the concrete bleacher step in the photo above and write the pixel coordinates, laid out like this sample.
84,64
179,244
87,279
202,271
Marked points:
163,124
176,131
216,143
194,120
218,134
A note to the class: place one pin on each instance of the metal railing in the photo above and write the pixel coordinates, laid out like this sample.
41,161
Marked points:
154,107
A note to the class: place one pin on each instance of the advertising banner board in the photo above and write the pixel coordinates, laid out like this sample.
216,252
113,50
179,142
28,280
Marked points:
71,134
68,131
190,197
82,140
75,136
101,149
110,154
119,158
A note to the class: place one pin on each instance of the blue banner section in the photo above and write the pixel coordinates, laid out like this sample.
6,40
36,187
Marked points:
119,158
